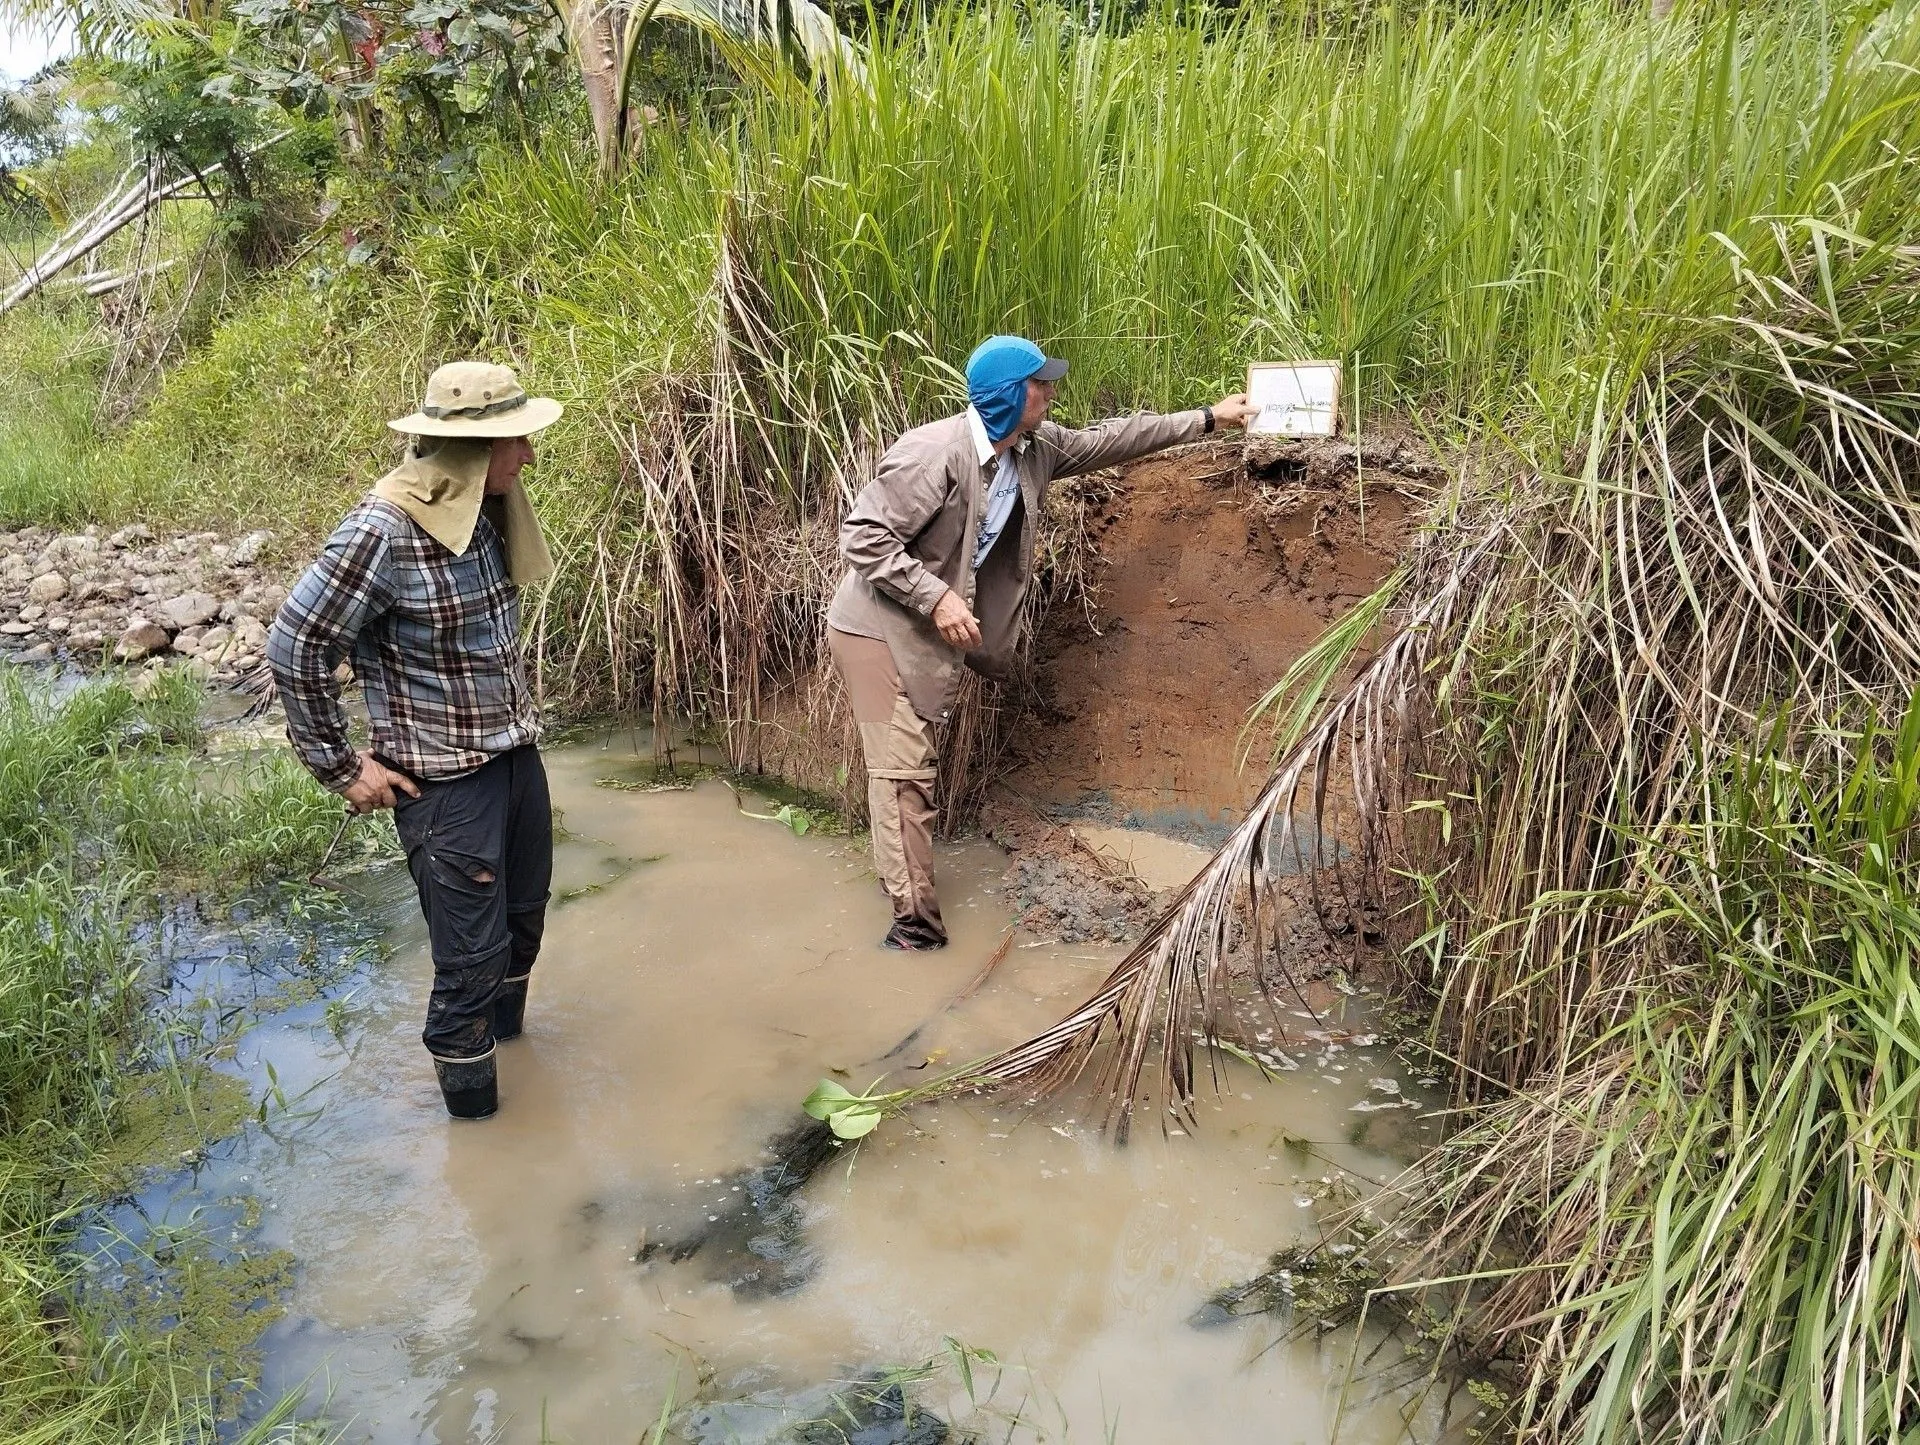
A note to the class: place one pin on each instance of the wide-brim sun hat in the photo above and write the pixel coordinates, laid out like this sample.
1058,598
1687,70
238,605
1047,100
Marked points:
478,399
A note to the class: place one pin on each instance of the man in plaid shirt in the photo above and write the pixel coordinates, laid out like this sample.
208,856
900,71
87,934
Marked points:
420,586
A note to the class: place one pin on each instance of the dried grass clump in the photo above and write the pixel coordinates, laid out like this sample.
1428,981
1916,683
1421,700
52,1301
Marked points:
703,591
1633,771
1673,942
1630,763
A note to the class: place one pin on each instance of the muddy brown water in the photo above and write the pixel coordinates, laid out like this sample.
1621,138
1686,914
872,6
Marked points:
478,1282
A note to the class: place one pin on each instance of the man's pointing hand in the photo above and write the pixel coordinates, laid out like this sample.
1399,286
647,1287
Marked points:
1234,410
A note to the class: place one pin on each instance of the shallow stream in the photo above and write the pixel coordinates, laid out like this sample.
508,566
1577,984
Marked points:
702,969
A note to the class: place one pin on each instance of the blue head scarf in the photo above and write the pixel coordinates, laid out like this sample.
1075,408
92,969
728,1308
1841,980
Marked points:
997,375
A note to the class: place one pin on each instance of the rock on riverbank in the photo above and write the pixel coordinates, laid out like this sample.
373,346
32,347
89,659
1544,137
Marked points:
126,596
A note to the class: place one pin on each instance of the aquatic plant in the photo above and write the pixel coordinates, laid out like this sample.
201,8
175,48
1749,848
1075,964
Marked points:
854,1116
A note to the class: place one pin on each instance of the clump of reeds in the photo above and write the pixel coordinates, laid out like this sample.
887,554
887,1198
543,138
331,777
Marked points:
1471,206
1476,209
1635,755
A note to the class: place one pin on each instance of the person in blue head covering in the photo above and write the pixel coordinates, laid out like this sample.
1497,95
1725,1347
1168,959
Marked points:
997,377
939,554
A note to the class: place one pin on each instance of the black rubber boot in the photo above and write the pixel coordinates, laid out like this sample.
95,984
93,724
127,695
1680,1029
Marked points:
913,935
470,1086
509,1008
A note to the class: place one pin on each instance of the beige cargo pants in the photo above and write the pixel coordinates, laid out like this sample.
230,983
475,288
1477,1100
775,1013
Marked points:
897,744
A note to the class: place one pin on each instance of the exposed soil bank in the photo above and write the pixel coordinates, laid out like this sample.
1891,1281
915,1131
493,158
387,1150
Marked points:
1217,566
1211,579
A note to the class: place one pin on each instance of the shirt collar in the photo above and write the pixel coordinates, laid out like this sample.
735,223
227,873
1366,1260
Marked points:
982,443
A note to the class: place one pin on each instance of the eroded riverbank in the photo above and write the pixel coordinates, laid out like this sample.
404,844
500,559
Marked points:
702,969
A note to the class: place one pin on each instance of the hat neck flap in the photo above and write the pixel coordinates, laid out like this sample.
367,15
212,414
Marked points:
441,484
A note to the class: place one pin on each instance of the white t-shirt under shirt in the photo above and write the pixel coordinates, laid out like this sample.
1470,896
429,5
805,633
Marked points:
1001,494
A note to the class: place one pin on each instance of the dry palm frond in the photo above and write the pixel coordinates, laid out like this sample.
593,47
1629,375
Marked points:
1172,987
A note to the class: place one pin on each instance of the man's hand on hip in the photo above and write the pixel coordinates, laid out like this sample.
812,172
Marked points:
956,622
374,789
1234,410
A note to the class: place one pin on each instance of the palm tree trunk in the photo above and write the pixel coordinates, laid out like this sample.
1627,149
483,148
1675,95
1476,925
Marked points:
590,30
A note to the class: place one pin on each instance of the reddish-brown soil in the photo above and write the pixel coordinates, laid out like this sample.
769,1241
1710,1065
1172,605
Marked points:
1211,569
1212,576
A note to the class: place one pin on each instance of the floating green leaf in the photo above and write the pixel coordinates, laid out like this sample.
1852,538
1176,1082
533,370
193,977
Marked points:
827,1099
856,1121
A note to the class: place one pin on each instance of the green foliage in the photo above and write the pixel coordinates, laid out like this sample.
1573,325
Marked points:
799,819
1647,941
32,131
420,82
1485,212
55,357
104,812
163,102
1728,1169
69,181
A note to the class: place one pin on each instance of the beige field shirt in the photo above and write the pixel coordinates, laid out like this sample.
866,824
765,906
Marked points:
911,533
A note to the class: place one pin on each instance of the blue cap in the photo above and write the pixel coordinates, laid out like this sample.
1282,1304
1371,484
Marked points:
1002,359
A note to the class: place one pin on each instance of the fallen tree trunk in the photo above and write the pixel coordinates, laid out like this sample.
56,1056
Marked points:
99,283
112,198
86,236
106,220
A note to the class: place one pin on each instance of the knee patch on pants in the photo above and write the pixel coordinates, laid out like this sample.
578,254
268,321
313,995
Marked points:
902,764
901,812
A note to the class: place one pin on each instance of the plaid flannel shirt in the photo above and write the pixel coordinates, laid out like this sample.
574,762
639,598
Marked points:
435,642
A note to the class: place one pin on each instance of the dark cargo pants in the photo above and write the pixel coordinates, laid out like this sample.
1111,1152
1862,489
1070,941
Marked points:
480,848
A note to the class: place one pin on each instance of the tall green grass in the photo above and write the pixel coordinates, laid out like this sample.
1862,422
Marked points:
1475,210
55,357
1748,1133
77,366
104,815
1483,212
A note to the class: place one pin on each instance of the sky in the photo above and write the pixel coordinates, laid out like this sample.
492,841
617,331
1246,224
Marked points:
25,50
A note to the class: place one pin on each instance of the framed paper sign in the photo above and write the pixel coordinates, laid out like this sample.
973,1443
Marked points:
1295,398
